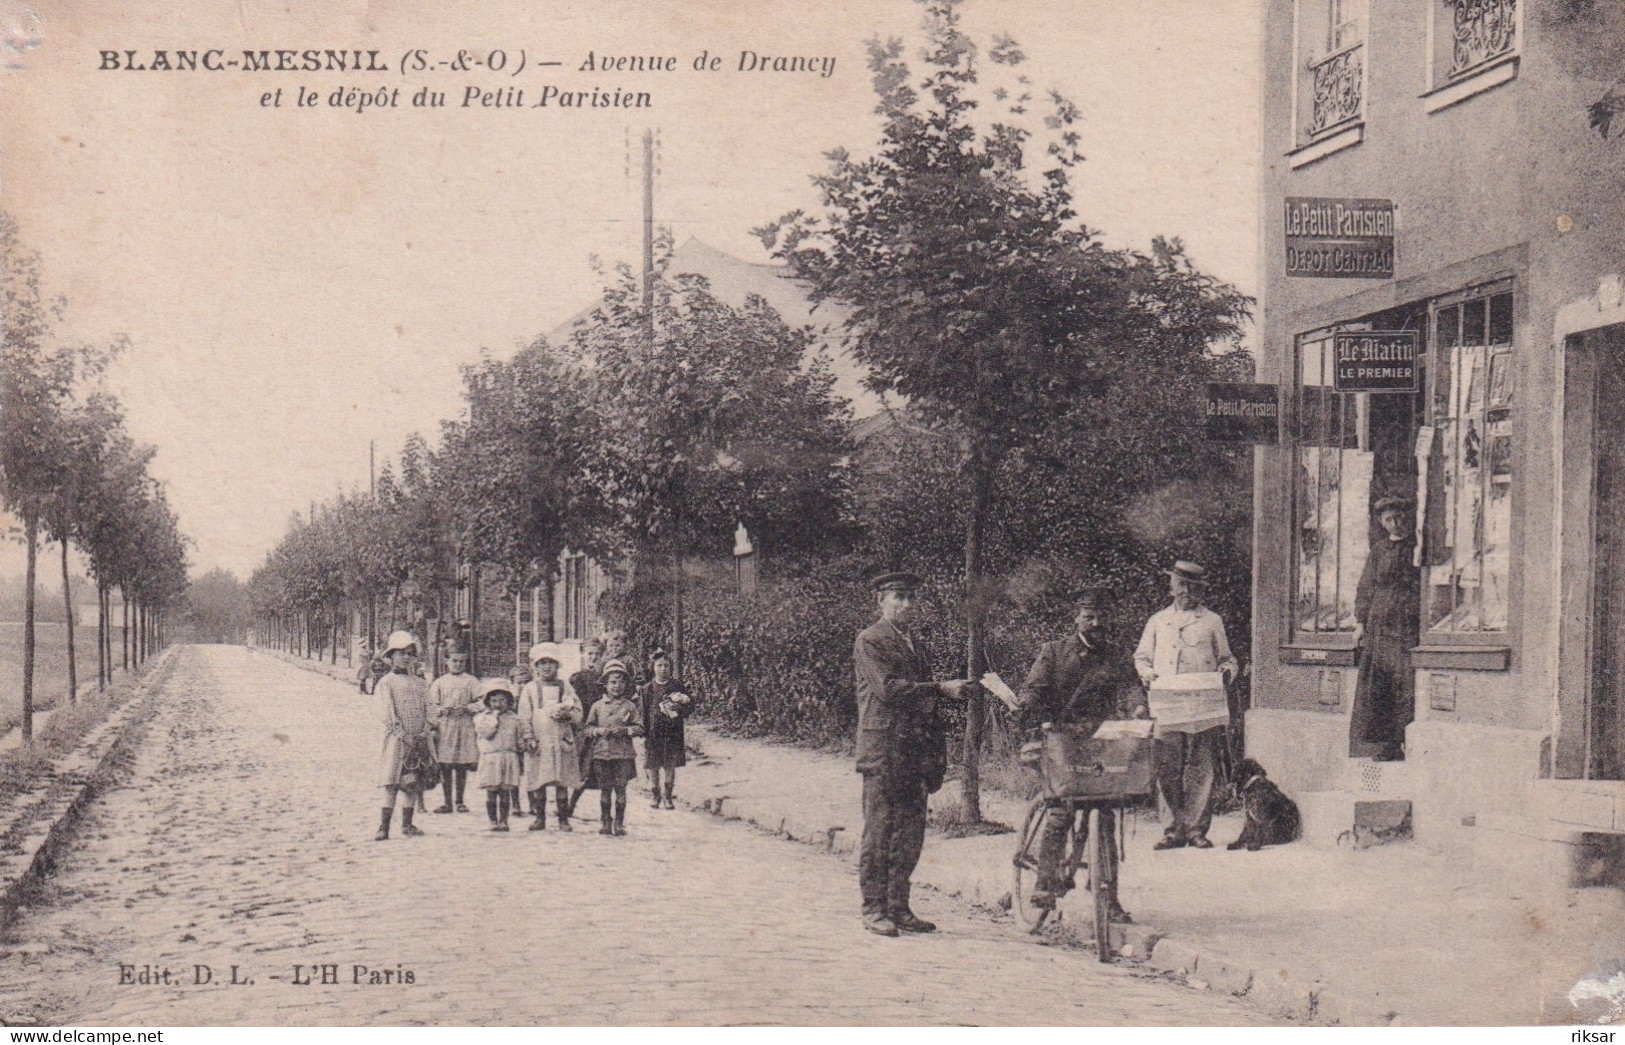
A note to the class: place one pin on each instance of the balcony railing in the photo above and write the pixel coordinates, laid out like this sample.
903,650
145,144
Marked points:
1339,89
1484,30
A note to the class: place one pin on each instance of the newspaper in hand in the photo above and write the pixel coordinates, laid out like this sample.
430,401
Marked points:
1124,729
1189,703
996,686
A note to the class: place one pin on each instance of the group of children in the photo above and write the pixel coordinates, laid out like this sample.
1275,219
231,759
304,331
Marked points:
547,733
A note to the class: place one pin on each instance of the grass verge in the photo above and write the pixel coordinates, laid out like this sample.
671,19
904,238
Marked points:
25,767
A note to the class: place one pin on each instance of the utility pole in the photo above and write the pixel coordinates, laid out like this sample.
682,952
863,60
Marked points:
649,335
372,597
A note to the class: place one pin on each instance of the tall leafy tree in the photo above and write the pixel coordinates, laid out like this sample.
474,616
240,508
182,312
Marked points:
974,292
716,415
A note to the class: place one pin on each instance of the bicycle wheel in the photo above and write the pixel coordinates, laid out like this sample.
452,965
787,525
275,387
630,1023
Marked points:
1025,870
1102,879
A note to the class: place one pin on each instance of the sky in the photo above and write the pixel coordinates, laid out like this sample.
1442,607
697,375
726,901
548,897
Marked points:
298,282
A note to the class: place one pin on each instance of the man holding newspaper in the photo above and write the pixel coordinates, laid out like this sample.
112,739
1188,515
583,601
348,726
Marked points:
1185,663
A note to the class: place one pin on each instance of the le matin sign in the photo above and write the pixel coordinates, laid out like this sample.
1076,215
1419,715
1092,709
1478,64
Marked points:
1243,414
1374,361
1339,238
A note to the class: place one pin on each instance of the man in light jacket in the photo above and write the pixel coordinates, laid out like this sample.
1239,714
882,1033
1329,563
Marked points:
1185,638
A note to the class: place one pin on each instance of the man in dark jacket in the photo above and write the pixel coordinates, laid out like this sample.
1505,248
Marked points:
902,754
1081,680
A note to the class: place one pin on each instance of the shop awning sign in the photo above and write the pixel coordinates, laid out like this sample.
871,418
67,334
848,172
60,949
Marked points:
1374,361
1243,414
1339,238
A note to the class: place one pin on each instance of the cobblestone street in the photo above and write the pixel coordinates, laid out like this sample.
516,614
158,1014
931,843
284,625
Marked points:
242,838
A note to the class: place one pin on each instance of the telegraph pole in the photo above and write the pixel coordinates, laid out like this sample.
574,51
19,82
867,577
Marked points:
649,335
372,597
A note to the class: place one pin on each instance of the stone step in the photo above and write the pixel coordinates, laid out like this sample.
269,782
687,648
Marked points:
1598,805
1537,854
1349,818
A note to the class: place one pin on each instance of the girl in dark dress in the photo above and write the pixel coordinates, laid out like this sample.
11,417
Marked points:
665,703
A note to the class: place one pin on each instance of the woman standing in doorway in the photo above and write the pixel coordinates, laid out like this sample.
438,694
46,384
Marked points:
1387,609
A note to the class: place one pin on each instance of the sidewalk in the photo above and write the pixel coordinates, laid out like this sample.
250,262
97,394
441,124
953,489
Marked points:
1393,935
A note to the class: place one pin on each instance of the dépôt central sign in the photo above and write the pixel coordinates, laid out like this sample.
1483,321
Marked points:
1339,238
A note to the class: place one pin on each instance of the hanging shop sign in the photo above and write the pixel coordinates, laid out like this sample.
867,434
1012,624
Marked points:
1243,414
1339,238
1374,361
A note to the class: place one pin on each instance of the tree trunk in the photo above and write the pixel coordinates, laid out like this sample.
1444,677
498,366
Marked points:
30,535
124,627
473,618
981,479
101,640
106,613
67,604
547,592
677,613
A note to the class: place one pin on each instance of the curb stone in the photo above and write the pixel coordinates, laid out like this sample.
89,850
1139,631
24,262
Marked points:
44,823
1278,992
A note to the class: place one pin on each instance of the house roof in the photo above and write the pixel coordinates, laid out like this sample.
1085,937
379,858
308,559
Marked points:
734,279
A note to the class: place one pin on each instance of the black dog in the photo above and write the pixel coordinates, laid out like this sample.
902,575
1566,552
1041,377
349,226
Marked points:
1272,817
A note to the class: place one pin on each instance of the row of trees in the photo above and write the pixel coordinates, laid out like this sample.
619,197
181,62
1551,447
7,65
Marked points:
1047,425
639,452
71,473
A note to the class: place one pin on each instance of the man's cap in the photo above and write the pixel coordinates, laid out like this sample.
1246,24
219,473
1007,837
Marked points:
400,640
897,580
1392,502
1091,594
610,667
546,651
1189,572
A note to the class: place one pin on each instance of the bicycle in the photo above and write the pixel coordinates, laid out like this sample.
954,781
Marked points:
1080,774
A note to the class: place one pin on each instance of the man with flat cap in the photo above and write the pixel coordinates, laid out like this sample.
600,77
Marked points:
1080,680
902,753
1387,605
1186,638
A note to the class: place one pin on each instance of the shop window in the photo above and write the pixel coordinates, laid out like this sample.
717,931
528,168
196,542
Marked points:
1330,75
1333,483
1468,514
1350,450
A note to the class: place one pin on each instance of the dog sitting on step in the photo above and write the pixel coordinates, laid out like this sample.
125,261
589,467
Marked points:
1272,817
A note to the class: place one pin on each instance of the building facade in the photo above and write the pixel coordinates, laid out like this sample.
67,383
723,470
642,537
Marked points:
1507,252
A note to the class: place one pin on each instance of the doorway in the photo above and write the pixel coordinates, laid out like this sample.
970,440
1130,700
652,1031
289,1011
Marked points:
1604,735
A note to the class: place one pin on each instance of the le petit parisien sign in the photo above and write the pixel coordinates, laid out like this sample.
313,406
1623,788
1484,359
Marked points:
1339,238
1239,413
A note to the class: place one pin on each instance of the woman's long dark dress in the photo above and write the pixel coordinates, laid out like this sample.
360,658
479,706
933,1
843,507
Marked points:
1388,603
